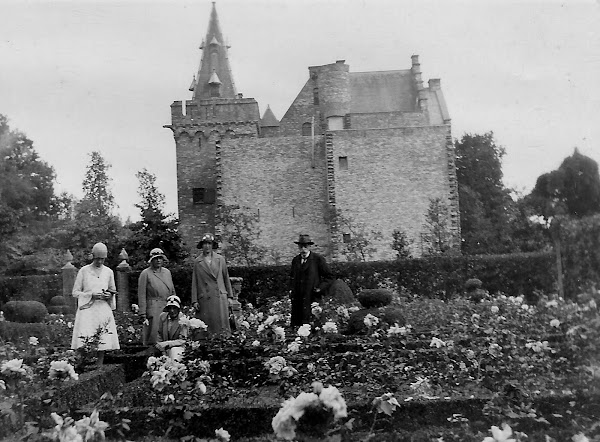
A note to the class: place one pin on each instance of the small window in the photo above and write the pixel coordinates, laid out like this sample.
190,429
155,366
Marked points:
335,123
202,195
346,238
347,122
200,142
306,129
343,163
316,96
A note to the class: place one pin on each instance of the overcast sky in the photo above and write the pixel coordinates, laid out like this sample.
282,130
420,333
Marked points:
78,76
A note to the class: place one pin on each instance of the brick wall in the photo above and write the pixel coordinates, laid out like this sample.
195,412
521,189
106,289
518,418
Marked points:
383,120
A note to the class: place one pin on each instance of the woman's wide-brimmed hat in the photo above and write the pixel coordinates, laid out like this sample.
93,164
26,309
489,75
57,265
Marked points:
157,253
174,301
208,237
304,239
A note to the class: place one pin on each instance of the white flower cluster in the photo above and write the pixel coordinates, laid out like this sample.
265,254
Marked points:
294,346
163,370
538,346
33,341
437,342
330,327
135,308
14,368
62,370
270,326
88,428
499,435
304,330
329,399
396,330
342,312
277,366
370,320
192,323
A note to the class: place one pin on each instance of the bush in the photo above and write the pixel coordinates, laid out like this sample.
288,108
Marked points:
30,288
472,284
339,293
25,311
373,298
389,315
58,300
59,309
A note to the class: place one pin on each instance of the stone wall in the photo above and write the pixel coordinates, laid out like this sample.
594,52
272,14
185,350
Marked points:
275,178
392,175
382,120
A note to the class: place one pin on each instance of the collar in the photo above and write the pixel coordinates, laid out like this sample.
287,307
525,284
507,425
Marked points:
307,256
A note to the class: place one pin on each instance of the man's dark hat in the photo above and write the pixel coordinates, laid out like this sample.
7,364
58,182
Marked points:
304,239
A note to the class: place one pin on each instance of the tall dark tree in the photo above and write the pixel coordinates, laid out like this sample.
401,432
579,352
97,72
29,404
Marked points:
155,229
573,189
26,181
485,203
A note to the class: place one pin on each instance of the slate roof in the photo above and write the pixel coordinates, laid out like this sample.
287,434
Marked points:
382,91
268,119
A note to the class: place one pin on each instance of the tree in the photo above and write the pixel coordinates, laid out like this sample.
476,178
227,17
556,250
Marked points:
98,199
156,229
573,189
240,235
401,244
26,181
437,239
485,204
357,239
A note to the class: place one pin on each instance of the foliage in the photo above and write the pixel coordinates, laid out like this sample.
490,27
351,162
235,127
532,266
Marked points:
25,311
357,240
573,189
371,298
486,207
33,288
98,199
438,238
401,244
240,235
580,240
156,229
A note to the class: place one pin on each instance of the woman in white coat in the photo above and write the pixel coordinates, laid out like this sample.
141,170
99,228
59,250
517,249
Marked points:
94,289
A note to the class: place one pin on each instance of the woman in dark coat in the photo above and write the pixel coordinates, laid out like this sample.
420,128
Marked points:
211,289
310,278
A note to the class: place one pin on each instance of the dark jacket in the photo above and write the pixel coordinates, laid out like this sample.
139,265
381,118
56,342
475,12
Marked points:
305,278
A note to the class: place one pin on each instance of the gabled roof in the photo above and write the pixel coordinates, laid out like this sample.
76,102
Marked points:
268,119
382,91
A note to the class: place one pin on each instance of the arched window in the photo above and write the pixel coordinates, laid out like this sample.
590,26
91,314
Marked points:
307,129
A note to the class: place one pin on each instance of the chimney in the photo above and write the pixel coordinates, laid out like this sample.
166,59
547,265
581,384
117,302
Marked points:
434,84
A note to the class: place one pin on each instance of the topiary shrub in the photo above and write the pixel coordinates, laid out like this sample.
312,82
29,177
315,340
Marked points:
24,311
339,293
389,315
472,284
373,298
58,306
58,300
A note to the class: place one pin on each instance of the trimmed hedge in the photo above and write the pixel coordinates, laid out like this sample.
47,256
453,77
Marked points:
30,288
24,311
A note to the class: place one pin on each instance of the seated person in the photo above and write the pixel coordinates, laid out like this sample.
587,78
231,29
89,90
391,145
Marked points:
171,334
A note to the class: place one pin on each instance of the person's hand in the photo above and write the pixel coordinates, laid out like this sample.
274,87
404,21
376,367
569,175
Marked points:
317,290
160,346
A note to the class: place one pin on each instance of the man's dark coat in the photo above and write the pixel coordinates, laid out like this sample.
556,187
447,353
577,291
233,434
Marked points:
306,277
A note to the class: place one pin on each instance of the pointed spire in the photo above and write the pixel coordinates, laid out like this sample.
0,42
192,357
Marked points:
268,119
214,63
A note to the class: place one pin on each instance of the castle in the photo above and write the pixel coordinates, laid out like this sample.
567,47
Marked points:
375,146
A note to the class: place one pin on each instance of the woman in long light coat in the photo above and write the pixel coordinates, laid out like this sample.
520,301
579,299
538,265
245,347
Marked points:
155,285
95,303
211,289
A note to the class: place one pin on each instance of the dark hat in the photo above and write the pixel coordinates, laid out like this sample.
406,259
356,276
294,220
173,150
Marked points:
208,237
304,239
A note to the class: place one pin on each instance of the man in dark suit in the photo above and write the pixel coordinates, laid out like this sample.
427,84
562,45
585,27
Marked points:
310,278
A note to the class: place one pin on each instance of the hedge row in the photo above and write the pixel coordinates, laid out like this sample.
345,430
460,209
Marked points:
440,277
30,288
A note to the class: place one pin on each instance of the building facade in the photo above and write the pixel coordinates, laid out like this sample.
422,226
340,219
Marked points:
374,146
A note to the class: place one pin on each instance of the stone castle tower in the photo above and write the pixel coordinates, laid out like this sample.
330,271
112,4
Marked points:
376,146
